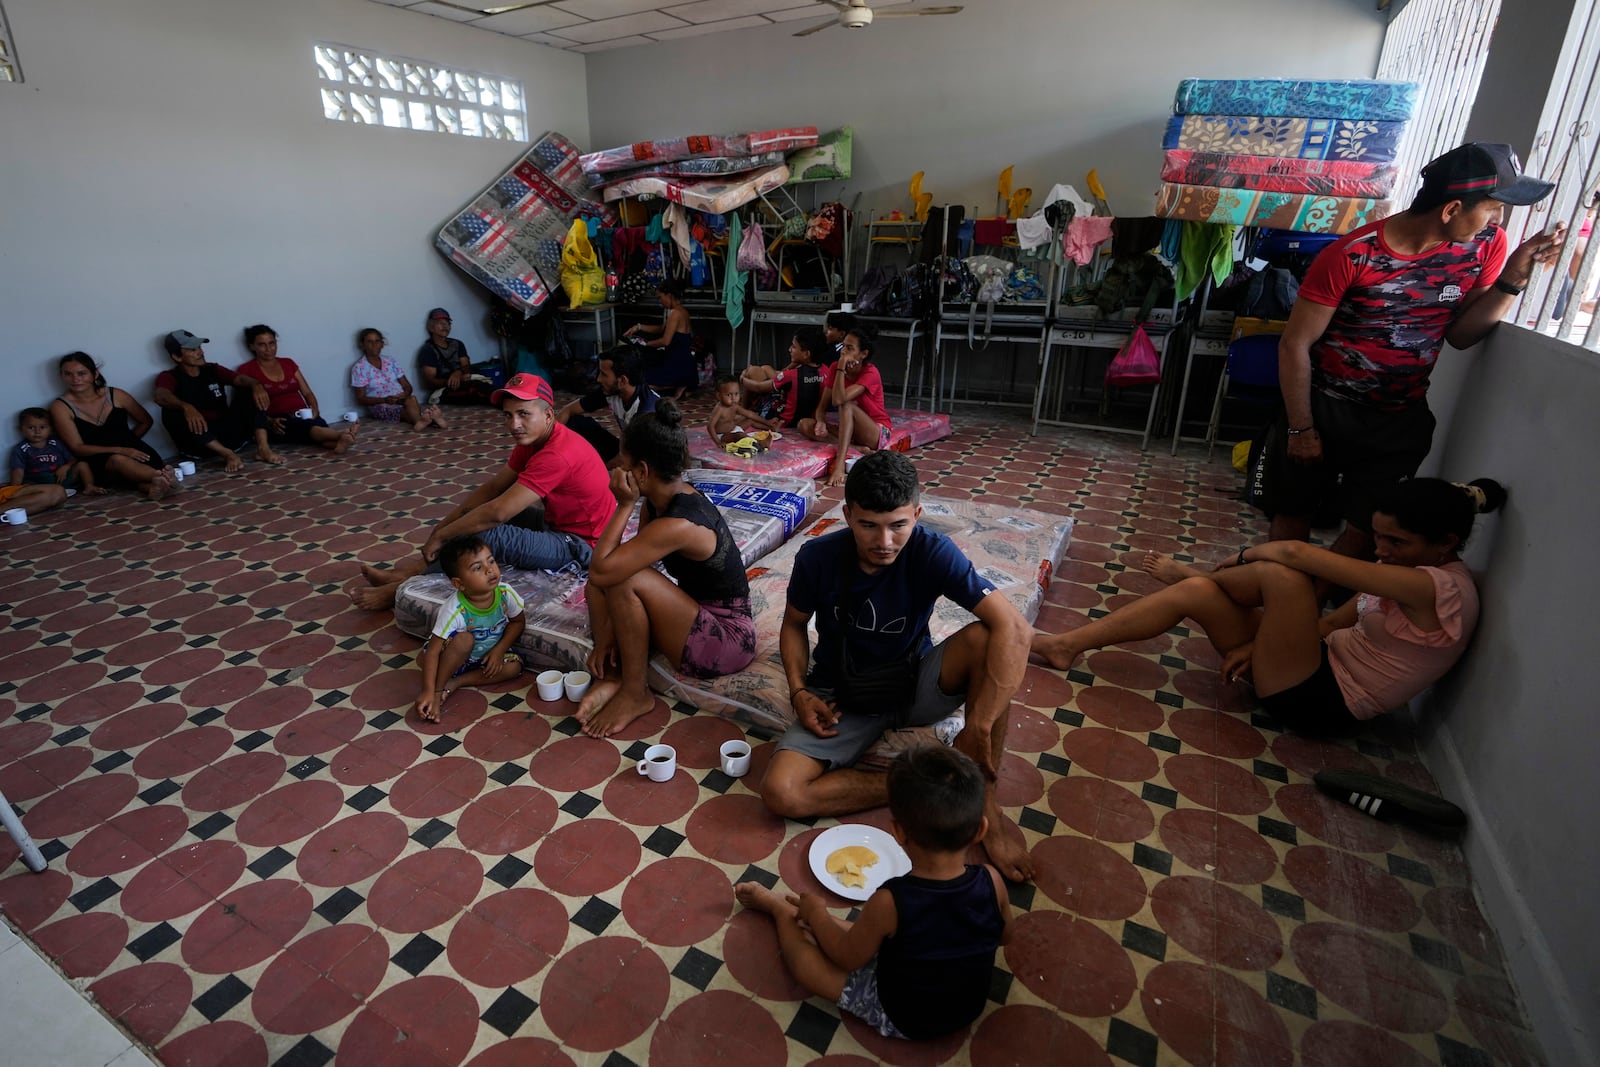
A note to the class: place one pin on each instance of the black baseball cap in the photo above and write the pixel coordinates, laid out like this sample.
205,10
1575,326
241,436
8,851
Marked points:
178,340
1483,168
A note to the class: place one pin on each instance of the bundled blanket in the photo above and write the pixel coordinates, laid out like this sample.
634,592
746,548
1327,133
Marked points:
1379,101
1278,175
1301,212
631,156
1295,138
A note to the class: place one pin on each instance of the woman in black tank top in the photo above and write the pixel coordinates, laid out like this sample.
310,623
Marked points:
702,623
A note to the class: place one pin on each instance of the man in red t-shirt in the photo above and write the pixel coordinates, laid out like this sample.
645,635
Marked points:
543,510
1375,307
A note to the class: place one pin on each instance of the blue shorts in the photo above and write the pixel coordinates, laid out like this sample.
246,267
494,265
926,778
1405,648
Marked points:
859,997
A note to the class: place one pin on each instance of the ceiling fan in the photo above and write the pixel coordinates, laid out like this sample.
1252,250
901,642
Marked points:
856,14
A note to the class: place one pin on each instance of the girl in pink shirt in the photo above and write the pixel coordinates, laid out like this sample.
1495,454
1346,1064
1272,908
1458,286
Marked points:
1415,612
854,386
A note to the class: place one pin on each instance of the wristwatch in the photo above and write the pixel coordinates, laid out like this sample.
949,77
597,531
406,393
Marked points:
1509,289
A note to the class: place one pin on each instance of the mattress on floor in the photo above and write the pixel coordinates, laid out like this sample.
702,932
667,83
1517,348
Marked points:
1320,177
1292,138
1015,549
1281,211
1345,99
706,167
670,150
509,238
716,195
826,161
761,512
795,456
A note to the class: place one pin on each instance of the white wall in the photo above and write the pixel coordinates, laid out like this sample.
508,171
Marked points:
167,166
1050,86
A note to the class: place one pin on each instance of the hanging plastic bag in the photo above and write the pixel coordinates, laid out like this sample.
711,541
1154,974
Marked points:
752,249
581,277
1136,364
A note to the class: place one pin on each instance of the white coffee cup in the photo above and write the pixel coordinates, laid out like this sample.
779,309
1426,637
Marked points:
735,758
575,684
549,685
15,517
186,467
177,474
352,416
303,413
660,763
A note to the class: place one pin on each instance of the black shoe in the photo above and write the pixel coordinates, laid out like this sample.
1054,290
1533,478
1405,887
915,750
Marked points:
1387,799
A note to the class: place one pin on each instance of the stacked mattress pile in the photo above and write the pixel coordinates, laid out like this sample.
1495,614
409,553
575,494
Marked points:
718,173
794,456
1309,156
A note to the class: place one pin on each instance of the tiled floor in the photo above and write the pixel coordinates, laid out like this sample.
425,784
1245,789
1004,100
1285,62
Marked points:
258,859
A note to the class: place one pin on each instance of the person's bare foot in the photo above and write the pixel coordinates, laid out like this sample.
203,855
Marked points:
1008,849
267,455
835,476
231,463
374,598
160,487
436,416
1163,567
620,708
420,425
344,441
1055,649
599,694
757,897
376,575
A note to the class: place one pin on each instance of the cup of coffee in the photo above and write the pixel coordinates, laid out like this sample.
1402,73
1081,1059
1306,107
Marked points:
549,685
735,758
303,413
15,517
660,763
187,467
352,416
575,684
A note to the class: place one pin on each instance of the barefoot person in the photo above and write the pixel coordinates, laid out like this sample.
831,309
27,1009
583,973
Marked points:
1324,674
702,623
872,589
472,635
287,394
853,386
197,412
383,389
105,427
542,511
918,962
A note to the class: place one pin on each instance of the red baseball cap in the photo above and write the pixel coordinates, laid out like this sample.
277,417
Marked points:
1485,167
525,387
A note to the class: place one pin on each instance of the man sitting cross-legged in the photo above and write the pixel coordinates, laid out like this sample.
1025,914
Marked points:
872,589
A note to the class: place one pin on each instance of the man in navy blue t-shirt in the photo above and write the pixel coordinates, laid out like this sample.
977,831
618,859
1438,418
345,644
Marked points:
873,588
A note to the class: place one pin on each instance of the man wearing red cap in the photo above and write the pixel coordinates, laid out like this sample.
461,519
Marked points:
542,511
1375,307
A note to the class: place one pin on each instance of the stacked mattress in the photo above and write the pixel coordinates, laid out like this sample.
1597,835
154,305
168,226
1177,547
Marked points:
1314,156
793,456
717,174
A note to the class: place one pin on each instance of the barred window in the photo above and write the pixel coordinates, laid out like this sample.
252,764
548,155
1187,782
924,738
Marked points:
408,94
9,70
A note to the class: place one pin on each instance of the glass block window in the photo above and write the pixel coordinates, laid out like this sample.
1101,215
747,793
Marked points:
9,70
364,87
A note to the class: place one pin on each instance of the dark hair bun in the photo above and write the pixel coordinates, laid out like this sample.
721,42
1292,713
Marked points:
1494,494
669,414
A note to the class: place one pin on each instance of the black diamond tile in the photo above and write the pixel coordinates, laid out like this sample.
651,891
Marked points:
399,663
432,832
416,954
1152,859
508,773
508,872
166,692
205,715
339,904
91,654
348,643
1053,764
568,726
238,659
595,915
220,999
307,1052
111,762
813,1027
1159,794
1094,613
211,825
1376,749
1040,822
1142,939
160,791
697,968
66,737
1265,722
51,850
1021,895
716,781
509,701
1164,743
1294,996
580,804
1276,773
148,945
1281,902
384,719
332,697
1410,870
753,873
442,745
307,767
1439,954
251,742
1277,830
1454,1054
1077,677
1176,663
32,712
1068,717
165,625
509,1011
999,985
366,798
201,642
635,752
1127,1042
1171,700
271,862
125,673
663,841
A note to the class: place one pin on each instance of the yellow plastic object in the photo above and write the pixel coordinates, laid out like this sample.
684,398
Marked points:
1003,190
924,202
1018,206
916,187
1241,456
1096,190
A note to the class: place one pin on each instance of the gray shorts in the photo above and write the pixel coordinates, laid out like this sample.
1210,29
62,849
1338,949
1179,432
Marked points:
858,732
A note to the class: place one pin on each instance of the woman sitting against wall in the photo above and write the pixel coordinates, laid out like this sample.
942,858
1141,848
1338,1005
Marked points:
105,427
293,414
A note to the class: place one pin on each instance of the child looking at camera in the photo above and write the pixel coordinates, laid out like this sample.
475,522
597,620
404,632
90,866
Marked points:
473,633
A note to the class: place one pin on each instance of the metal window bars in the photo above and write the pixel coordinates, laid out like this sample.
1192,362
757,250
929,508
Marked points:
363,87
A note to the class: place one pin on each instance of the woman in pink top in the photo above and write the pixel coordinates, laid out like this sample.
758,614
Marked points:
1321,673
854,386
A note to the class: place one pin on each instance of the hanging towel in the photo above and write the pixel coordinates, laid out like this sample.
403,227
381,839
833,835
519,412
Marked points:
676,221
1033,231
1085,234
734,279
1203,246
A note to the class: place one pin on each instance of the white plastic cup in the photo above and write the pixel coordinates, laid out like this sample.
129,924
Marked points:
660,763
351,416
549,685
575,684
15,517
303,413
735,758
187,467
177,474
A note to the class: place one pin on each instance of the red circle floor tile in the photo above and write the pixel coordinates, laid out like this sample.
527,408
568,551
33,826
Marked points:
224,686
320,979
604,993
83,945
506,819
901,1053
1334,821
1216,923
322,730
344,670
218,620
1070,963
39,607
268,709
635,799
80,805
1350,888
1211,842
296,651
1211,1018
1308,755
181,606
1217,732
43,772
289,813
128,840
1042,688
698,740
735,828
1488,1006
750,950
1030,731
1454,912
1127,670
1100,809
1217,784
719,1025
136,726
586,857
1019,783
352,849
181,881
246,926
681,901
574,763
506,738
37,660
259,634
388,690
98,703
148,999
1369,977
1337,1043
523,1052
424,890
181,666
20,738
224,1044
508,937
437,787
376,757
28,899
182,753
1019,1035
233,781
1110,754
1207,689
1087,877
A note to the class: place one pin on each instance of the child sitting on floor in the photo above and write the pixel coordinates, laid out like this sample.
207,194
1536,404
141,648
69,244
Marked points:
474,630
729,422
854,386
40,459
917,963
791,394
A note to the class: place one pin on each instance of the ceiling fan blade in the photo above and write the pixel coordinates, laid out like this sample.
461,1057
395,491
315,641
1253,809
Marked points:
953,10
500,10
815,29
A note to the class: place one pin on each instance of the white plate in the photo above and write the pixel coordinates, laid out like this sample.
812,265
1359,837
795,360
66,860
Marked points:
892,859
